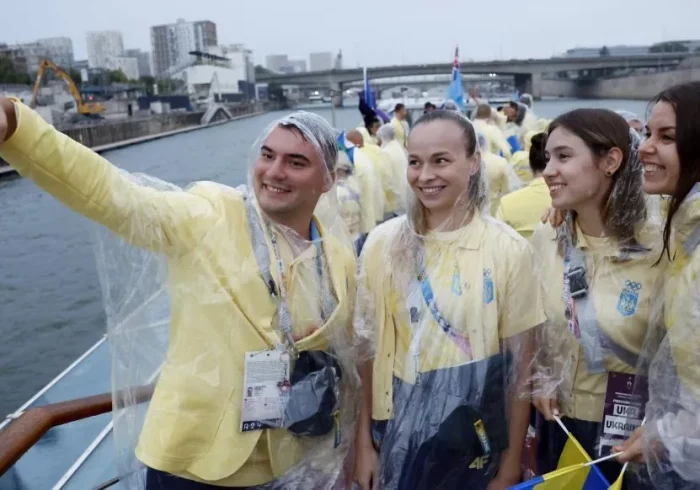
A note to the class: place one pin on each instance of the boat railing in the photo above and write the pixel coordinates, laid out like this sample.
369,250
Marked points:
29,427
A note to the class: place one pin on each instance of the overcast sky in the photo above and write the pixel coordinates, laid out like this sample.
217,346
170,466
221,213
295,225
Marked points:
370,32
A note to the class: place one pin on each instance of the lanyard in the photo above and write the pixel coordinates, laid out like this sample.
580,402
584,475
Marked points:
426,289
580,311
284,312
261,251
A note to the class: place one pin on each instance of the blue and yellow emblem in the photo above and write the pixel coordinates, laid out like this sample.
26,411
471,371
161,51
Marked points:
488,287
629,297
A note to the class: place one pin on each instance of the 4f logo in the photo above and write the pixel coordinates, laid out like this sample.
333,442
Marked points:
479,463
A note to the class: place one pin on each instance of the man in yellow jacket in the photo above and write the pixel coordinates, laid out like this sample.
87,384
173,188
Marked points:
261,296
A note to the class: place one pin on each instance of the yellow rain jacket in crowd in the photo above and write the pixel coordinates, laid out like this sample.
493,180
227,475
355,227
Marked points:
192,427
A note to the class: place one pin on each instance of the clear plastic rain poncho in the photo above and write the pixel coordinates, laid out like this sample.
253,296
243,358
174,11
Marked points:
399,162
671,361
447,315
241,325
598,294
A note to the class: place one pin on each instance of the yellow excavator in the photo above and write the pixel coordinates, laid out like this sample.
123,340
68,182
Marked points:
90,109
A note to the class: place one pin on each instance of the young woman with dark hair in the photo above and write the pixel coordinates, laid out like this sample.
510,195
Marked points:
597,271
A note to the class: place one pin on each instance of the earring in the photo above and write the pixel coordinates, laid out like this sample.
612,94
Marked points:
608,173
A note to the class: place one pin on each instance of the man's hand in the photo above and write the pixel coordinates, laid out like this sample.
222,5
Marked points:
8,119
508,475
366,467
554,216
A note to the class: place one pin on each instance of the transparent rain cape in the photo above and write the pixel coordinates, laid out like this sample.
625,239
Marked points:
180,325
598,294
671,360
446,316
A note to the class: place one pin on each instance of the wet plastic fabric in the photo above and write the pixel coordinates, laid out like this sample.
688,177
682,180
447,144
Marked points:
399,163
446,366
672,361
629,116
598,300
185,307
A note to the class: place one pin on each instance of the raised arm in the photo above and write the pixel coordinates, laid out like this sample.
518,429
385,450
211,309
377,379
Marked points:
167,221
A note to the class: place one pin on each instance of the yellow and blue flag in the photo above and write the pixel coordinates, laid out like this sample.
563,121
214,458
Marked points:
572,473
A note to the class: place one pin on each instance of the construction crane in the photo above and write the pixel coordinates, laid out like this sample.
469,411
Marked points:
90,109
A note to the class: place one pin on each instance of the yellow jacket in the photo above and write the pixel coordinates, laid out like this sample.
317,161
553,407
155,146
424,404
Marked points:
523,208
483,248
400,129
220,306
495,140
384,170
498,175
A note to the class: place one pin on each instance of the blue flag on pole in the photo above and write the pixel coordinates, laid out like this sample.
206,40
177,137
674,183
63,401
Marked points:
368,96
455,91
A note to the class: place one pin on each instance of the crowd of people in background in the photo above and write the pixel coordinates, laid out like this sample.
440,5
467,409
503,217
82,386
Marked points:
452,299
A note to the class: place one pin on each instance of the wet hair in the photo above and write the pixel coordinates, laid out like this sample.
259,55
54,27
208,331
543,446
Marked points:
483,111
313,129
398,107
476,193
538,160
602,130
685,99
386,133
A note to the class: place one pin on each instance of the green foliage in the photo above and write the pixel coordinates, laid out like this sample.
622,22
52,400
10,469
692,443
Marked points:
10,74
261,70
117,76
75,76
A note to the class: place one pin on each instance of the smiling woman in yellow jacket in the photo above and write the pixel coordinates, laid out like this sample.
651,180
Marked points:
599,280
669,442
247,272
444,299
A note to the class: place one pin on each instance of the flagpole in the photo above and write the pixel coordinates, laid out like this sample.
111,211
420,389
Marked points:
330,82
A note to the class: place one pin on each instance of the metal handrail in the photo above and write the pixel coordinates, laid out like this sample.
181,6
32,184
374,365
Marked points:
26,430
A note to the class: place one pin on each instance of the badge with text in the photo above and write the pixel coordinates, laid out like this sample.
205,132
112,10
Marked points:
624,410
265,385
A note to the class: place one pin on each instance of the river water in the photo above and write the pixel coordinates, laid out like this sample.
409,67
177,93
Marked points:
50,300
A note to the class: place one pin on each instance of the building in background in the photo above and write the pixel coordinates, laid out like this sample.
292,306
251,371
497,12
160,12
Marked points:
144,61
172,43
220,73
296,66
128,66
276,62
26,56
59,50
339,60
320,61
103,45
17,57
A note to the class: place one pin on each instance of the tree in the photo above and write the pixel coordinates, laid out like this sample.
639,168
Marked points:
261,70
275,93
75,76
117,76
147,83
10,74
604,51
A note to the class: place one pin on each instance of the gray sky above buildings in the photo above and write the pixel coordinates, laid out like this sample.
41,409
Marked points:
397,32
